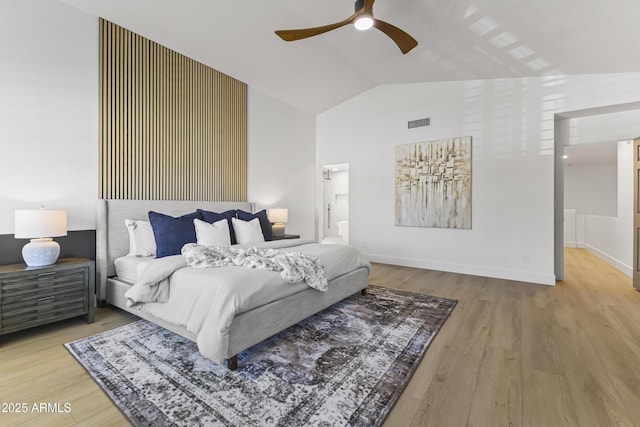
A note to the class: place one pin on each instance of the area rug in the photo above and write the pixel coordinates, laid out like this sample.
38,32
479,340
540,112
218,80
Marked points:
346,365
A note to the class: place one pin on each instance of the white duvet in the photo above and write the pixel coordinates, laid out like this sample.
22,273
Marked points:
205,300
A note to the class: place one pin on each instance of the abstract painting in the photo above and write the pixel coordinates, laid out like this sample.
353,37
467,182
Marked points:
433,183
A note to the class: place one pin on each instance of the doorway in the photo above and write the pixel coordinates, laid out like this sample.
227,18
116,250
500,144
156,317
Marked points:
609,123
334,208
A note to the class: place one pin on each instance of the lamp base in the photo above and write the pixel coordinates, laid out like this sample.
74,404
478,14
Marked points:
40,252
277,229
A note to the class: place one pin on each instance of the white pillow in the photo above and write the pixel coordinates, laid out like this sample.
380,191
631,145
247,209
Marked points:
141,239
216,234
247,231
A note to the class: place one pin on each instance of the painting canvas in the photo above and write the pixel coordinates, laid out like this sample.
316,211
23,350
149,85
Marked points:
433,183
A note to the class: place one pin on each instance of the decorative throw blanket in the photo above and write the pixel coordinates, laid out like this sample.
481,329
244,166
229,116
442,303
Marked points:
294,267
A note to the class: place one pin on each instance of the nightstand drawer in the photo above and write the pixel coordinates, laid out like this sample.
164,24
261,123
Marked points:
13,290
43,310
36,283
42,301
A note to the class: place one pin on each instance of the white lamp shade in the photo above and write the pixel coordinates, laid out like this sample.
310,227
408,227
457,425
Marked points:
38,223
280,215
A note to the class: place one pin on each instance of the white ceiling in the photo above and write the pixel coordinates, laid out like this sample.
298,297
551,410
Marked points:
458,40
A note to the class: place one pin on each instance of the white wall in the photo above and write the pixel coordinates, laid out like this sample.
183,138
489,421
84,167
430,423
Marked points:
591,188
48,111
570,228
617,126
611,237
281,167
49,122
511,122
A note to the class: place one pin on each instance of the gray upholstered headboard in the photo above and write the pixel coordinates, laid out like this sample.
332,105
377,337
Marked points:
112,239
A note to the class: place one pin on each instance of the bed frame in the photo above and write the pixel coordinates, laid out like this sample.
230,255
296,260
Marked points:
248,328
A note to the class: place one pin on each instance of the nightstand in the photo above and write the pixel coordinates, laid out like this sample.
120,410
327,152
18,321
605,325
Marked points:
32,296
287,236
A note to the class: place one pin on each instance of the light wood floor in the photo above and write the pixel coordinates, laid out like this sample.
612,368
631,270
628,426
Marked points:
511,354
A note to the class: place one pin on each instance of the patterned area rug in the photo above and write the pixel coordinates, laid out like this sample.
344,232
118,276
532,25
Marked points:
346,365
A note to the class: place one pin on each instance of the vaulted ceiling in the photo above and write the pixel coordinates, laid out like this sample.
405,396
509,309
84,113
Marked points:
458,40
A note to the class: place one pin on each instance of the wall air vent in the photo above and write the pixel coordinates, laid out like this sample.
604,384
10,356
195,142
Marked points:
419,123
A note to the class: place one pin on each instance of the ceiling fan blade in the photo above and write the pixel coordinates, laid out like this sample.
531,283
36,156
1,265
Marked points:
404,41
292,35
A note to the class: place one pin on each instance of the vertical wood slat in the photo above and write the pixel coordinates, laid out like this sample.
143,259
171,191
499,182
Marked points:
170,127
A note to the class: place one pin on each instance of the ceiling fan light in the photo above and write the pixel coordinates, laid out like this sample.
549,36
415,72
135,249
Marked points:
363,22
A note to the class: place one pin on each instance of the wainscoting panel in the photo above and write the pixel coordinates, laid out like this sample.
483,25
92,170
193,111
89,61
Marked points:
171,128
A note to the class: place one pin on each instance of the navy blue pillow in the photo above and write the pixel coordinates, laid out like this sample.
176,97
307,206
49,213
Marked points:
264,222
212,217
171,233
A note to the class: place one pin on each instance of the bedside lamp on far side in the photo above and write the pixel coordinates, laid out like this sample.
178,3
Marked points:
278,217
40,225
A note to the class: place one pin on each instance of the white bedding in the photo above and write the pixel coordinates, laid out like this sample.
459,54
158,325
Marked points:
129,268
205,300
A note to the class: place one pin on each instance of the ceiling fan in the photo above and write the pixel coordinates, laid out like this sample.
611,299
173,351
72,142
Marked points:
362,19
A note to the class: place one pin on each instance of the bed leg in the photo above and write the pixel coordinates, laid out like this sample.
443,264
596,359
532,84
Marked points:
232,363
363,292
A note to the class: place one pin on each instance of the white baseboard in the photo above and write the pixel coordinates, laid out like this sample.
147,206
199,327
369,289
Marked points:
610,260
570,244
474,270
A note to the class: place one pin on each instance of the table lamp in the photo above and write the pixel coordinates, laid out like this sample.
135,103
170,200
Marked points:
278,217
40,225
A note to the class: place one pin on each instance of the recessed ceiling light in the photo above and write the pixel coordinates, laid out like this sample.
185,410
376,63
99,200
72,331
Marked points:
565,157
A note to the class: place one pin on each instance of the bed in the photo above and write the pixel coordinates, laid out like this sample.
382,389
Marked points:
247,327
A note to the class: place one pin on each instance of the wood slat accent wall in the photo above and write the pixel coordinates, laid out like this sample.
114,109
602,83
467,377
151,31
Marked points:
171,128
